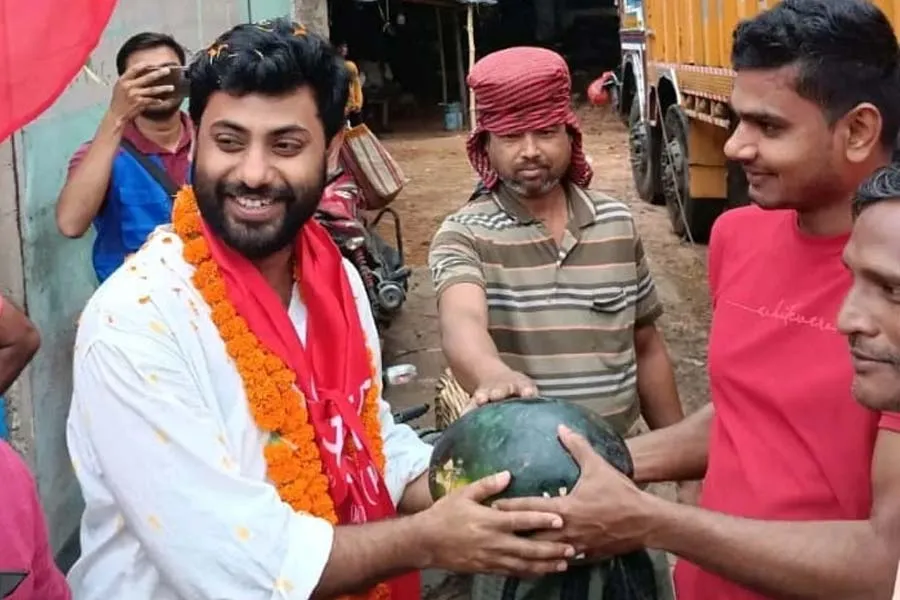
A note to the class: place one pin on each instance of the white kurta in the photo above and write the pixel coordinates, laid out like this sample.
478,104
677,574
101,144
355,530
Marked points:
169,459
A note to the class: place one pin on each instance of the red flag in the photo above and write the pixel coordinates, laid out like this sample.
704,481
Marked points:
43,45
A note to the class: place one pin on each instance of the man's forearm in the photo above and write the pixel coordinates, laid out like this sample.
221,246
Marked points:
675,453
417,496
363,555
13,359
844,560
657,391
470,351
84,192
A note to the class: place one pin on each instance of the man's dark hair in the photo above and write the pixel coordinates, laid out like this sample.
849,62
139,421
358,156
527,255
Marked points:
272,58
883,184
845,52
146,41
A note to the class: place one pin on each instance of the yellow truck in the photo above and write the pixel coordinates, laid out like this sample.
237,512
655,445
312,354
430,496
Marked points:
672,91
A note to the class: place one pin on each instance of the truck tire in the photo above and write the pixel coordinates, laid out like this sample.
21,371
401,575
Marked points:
699,213
643,151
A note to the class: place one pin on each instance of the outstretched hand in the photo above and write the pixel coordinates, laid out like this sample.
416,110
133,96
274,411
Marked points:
604,515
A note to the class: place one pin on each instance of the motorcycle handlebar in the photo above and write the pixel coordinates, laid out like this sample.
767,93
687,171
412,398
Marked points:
408,414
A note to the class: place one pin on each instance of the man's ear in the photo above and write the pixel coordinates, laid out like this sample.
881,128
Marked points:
863,132
334,150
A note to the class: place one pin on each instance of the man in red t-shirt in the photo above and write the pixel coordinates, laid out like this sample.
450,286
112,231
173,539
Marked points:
801,488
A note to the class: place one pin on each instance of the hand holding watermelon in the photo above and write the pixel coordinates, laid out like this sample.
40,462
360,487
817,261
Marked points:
462,535
502,385
604,515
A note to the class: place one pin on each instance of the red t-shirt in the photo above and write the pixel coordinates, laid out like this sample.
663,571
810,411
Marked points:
24,547
788,440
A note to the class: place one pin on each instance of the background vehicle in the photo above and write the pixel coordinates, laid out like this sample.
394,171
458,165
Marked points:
380,265
403,374
673,91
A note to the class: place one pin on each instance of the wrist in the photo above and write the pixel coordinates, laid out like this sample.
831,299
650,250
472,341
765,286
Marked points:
424,540
113,124
492,368
642,459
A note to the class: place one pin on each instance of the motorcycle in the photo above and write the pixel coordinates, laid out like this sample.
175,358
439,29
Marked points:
401,375
380,265
429,435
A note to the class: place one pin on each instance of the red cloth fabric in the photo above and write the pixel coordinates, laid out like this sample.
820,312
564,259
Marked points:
523,89
24,546
43,45
788,441
331,368
597,92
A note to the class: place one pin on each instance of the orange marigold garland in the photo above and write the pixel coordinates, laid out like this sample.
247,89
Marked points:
293,463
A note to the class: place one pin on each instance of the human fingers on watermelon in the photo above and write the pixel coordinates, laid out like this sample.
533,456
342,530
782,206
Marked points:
605,514
463,535
504,384
577,446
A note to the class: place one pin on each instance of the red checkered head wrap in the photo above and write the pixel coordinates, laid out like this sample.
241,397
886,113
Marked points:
523,89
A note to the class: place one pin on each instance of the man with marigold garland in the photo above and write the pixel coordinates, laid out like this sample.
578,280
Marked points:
227,426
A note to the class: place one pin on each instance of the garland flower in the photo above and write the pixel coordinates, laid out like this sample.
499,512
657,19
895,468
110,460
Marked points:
293,462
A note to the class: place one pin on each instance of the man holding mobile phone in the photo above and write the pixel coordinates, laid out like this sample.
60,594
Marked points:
124,179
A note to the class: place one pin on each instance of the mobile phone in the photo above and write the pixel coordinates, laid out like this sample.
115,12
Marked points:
177,77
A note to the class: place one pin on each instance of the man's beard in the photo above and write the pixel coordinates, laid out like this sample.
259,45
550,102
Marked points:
529,189
163,113
257,240
523,190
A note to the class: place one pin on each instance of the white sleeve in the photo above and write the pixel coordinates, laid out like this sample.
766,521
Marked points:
406,456
138,418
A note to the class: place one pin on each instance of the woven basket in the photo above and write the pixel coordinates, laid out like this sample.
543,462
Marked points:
449,401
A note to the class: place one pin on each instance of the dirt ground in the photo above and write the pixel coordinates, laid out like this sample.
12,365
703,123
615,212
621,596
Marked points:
441,180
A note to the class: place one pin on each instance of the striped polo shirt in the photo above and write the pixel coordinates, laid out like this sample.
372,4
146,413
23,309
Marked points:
563,314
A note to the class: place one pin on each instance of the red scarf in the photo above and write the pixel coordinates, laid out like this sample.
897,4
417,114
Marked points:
330,367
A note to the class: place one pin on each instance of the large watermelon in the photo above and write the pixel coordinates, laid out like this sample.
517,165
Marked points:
520,436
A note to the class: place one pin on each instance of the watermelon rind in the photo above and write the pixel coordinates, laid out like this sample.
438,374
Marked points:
520,436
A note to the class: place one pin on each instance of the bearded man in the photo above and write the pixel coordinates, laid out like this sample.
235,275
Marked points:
542,284
227,426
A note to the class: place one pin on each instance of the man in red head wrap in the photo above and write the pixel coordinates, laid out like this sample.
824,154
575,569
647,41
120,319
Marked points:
521,90
542,284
